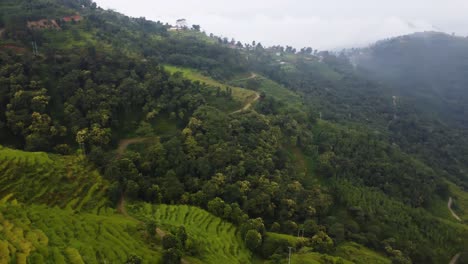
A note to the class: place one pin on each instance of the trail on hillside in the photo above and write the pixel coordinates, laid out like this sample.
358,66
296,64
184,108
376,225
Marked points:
121,206
449,205
252,76
124,143
248,104
455,258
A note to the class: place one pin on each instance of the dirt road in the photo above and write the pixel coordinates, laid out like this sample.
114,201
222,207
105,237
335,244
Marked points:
248,104
449,205
455,258
124,143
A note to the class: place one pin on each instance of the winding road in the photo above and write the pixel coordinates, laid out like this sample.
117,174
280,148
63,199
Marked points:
455,258
248,105
449,205
124,143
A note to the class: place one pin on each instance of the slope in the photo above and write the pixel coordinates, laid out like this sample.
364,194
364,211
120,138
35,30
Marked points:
217,240
54,208
241,95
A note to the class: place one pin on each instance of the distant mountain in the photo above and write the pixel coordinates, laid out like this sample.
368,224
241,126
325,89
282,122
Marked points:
429,68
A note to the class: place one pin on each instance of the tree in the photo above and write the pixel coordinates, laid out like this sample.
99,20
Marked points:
170,241
253,239
196,27
310,228
171,256
134,259
151,228
216,207
321,242
182,236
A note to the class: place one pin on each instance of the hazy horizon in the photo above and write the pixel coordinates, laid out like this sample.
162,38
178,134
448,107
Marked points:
321,25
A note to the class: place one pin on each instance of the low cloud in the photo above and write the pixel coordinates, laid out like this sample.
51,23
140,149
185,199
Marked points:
333,24
316,32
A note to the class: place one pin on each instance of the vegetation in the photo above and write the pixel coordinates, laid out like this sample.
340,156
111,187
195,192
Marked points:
327,161
209,238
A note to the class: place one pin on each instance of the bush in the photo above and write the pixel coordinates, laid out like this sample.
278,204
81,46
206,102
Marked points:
171,256
170,241
253,239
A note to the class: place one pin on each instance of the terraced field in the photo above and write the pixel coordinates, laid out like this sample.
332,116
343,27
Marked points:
219,239
63,181
40,234
53,210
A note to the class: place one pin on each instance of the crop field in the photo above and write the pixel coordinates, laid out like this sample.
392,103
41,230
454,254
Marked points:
63,181
219,240
53,209
40,234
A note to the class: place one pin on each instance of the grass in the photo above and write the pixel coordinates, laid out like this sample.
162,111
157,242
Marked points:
292,240
73,37
359,254
348,252
439,208
316,258
239,94
305,166
218,240
273,89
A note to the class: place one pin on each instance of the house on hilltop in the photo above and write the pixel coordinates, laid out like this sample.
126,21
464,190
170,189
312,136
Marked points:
74,18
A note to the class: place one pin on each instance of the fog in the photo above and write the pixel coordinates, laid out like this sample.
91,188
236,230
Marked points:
330,24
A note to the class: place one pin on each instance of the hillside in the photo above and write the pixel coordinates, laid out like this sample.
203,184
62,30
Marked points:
428,67
127,142
54,209
426,73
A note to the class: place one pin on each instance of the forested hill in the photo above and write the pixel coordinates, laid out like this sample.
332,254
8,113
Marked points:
430,67
426,71
125,140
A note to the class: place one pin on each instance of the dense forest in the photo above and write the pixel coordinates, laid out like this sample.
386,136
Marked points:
327,154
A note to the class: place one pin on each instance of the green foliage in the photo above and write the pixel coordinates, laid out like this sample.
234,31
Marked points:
151,228
216,239
253,239
321,242
360,254
57,181
133,259
365,175
170,241
171,256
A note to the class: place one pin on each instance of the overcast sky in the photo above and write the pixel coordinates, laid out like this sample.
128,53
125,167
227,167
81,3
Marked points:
320,24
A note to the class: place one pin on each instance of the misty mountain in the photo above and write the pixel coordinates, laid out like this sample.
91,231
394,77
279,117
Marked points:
428,68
